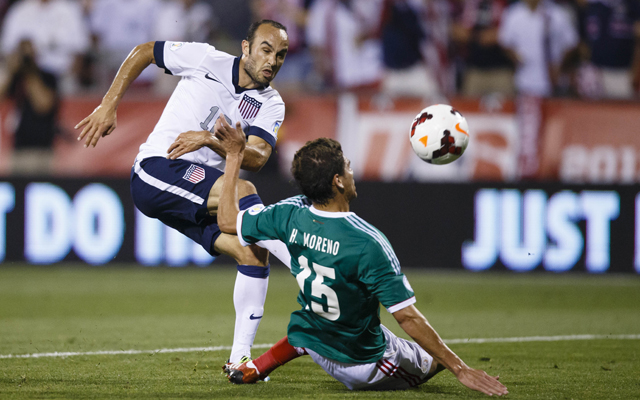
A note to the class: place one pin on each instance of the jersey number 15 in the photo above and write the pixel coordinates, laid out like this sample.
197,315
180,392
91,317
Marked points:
319,289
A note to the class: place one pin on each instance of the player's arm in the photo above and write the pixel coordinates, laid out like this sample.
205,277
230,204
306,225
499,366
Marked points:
417,326
256,153
233,142
102,121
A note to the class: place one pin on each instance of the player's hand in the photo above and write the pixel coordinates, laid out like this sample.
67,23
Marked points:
233,140
481,381
187,142
101,122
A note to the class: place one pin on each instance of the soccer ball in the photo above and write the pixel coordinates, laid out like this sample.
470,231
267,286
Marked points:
439,134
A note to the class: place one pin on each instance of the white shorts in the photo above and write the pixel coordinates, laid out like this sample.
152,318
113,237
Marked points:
404,364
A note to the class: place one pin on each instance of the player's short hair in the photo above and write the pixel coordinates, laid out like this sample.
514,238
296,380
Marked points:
314,167
251,32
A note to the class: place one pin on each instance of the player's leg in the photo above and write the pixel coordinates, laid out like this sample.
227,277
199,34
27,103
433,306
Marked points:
252,280
255,370
404,365
248,196
249,292
176,193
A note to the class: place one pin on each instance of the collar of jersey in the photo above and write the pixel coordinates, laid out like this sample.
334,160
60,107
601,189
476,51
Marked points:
235,77
328,214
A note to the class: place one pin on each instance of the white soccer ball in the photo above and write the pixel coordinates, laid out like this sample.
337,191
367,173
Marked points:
439,134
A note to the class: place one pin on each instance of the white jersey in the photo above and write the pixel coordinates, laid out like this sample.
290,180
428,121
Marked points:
208,88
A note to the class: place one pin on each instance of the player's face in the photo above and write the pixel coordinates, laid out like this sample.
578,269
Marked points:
348,181
265,55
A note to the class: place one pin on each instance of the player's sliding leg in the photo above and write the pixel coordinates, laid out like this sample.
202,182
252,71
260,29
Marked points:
255,370
249,294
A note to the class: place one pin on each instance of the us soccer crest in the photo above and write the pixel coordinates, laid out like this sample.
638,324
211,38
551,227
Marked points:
194,174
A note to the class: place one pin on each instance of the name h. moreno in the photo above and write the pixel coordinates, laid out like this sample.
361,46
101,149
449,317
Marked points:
317,243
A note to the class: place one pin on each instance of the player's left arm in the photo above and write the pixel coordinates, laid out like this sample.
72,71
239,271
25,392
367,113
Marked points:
416,325
256,153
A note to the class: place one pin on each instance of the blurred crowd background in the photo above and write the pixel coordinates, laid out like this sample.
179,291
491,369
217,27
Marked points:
580,48
493,50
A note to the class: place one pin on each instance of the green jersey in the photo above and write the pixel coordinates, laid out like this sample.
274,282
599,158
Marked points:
345,268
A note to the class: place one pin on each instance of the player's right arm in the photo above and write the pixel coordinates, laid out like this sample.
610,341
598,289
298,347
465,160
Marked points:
102,121
417,326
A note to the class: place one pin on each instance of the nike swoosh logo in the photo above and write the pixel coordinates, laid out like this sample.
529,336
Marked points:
252,317
211,78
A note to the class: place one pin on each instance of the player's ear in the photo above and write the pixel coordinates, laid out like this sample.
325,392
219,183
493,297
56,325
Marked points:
337,181
246,48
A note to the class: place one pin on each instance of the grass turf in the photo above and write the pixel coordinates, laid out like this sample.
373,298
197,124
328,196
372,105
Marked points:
81,309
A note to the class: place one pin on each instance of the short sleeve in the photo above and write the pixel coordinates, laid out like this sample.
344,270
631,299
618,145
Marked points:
268,121
261,223
180,58
379,270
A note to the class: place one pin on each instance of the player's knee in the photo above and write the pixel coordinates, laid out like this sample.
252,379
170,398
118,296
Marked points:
245,188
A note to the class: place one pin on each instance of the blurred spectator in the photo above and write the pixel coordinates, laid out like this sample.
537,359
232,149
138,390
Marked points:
293,15
487,68
343,38
404,40
612,39
119,26
186,21
34,92
539,36
56,30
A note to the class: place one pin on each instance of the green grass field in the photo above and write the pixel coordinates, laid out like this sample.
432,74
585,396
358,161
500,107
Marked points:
86,309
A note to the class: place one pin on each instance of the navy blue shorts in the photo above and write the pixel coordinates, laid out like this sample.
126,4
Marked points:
176,193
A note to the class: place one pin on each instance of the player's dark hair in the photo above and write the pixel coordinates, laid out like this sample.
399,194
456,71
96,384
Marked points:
314,167
251,33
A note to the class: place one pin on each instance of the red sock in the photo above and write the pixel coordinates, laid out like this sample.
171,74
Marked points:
281,353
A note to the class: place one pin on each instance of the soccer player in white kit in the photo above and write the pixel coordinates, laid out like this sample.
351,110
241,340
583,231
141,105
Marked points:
175,177
345,268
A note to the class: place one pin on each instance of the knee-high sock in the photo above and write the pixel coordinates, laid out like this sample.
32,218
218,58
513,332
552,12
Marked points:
278,249
249,294
280,354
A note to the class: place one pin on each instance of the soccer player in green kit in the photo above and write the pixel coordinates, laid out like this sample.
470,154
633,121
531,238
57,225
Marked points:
345,268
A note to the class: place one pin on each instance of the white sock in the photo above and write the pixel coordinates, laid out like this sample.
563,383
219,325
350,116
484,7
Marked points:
278,249
249,295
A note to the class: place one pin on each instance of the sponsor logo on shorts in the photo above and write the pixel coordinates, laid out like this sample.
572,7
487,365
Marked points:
276,127
176,45
194,174
253,210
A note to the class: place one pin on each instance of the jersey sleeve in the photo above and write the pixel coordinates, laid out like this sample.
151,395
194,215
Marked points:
262,223
268,121
379,270
180,58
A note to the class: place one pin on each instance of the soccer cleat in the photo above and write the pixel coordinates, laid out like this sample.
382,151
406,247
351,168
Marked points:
227,367
241,374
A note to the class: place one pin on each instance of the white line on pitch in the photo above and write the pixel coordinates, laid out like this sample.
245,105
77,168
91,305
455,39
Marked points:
268,345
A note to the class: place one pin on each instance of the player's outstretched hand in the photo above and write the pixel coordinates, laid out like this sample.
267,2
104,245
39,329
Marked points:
101,122
481,381
187,142
233,140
